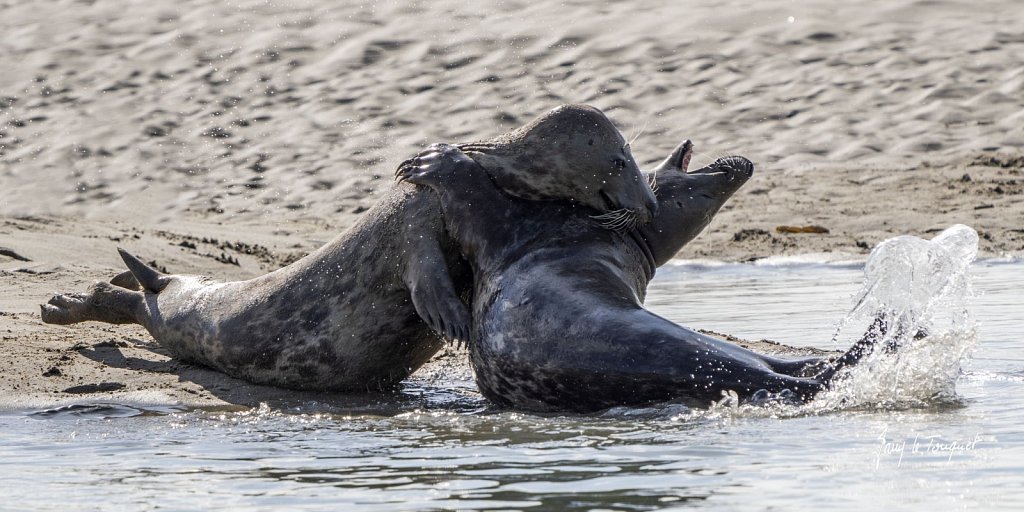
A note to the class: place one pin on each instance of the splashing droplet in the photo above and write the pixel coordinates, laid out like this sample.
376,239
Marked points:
920,289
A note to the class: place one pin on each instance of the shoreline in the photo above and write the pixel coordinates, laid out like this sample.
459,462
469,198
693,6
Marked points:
53,366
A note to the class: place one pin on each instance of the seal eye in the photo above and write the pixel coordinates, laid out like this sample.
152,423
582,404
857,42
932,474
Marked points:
619,163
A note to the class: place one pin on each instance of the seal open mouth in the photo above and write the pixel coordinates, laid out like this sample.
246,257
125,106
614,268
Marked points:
686,156
678,161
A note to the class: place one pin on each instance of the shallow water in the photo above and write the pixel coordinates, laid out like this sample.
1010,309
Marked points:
453,452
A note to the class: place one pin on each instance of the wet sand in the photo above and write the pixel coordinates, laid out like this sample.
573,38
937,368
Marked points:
229,140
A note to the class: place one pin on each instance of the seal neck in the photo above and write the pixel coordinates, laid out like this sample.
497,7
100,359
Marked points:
649,265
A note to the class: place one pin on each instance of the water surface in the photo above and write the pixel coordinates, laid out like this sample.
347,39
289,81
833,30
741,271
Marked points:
452,451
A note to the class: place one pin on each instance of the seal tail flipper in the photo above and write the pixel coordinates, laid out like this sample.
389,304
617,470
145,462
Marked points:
103,302
874,335
150,279
127,281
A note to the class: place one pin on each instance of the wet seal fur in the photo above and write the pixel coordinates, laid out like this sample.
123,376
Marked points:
558,316
569,153
358,313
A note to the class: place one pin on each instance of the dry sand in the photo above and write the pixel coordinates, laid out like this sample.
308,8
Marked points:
227,138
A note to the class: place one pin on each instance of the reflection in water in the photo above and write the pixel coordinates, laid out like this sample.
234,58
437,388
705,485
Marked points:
448,450
101,411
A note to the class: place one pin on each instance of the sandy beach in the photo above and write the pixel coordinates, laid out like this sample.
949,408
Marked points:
230,139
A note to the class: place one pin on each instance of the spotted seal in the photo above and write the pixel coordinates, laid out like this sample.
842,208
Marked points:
558,316
362,312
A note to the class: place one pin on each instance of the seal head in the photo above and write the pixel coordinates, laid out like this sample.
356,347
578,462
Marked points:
688,200
571,152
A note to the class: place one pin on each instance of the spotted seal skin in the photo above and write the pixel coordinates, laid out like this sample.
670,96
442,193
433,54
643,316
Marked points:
357,314
558,316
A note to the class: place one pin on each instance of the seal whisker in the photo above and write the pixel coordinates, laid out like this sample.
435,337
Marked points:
636,137
614,214
623,219
612,224
603,216
618,222
634,222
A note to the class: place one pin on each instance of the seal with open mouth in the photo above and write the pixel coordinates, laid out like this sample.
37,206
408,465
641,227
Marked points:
358,314
558,316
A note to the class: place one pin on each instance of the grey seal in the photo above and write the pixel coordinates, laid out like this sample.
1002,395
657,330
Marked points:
365,311
355,315
558,316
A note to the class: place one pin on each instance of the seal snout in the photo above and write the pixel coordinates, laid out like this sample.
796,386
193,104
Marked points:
639,201
650,207
736,163
623,211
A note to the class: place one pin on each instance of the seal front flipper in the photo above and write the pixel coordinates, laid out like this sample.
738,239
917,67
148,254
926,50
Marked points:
434,167
466,192
431,288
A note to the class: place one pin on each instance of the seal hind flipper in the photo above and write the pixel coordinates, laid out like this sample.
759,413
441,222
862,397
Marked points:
127,281
103,302
151,280
679,160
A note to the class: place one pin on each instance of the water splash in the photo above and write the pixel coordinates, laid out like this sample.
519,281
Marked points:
921,290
